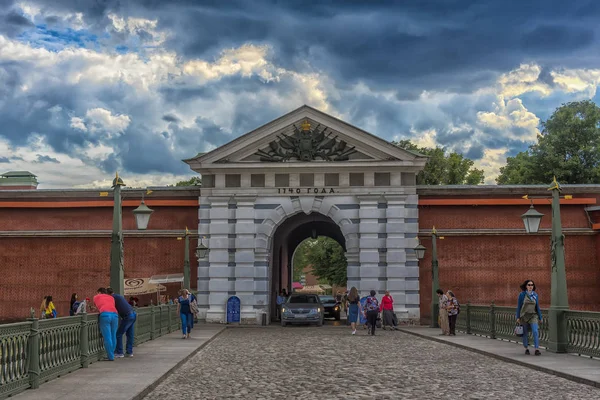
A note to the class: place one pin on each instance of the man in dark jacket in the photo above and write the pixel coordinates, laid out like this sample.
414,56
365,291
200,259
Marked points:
128,316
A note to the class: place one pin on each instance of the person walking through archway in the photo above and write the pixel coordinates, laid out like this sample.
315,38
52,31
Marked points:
372,309
387,310
353,300
529,315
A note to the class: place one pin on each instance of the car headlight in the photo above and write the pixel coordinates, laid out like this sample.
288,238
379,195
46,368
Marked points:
336,308
286,310
315,310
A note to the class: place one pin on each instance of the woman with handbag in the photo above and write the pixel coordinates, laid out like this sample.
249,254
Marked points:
529,315
185,313
453,308
443,321
49,309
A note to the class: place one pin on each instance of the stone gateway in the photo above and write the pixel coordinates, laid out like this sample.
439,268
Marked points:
268,190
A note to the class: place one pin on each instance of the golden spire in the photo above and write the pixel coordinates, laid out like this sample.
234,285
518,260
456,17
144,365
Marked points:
306,125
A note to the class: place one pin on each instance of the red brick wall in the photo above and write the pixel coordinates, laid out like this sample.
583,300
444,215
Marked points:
100,218
482,269
495,217
35,267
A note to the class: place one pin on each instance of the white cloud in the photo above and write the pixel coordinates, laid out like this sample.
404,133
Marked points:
78,123
584,81
491,162
101,119
140,27
36,13
522,80
508,115
423,139
246,61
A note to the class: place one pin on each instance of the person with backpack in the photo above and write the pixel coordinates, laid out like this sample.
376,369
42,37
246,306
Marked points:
372,311
72,308
453,311
49,309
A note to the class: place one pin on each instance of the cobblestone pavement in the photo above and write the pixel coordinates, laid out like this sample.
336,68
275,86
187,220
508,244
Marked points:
329,363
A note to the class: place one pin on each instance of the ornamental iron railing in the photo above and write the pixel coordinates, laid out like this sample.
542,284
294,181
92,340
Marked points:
583,327
36,351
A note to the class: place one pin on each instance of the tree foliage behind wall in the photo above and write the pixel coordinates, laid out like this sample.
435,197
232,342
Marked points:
193,181
444,168
568,148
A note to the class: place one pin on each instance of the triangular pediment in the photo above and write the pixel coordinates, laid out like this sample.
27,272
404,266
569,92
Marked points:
305,135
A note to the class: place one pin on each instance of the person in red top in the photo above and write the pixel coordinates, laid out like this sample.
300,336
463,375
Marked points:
108,321
387,309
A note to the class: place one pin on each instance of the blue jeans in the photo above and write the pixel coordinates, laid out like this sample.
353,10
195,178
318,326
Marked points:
109,321
186,322
536,335
126,326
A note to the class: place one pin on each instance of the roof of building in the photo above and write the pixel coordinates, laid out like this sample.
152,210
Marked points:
15,174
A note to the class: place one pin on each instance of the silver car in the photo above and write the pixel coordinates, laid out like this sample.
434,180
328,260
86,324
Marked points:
302,309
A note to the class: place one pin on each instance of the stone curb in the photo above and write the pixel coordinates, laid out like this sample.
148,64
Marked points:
157,382
507,359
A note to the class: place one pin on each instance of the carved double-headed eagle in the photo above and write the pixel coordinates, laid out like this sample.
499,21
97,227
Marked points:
307,144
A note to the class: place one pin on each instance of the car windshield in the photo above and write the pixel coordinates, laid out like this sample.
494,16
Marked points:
303,299
327,299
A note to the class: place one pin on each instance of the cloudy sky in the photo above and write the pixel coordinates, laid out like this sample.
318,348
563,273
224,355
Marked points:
88,87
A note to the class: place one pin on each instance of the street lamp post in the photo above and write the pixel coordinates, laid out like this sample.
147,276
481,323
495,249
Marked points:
201,251
142,217
559,302
116,246
186,260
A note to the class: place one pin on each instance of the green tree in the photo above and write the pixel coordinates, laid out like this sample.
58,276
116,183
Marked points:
568,148
326,257
193,181
443,168
300,261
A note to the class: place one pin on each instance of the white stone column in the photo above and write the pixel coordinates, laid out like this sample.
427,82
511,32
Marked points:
370,273
203,264
411,229
250,291
396,244
218,258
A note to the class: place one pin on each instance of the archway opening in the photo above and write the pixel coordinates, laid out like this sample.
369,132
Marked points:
287,238
320,261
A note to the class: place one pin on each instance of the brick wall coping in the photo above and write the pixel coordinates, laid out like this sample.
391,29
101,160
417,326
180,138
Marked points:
193,192
496,190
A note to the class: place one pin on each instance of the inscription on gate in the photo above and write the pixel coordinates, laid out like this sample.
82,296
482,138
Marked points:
305,190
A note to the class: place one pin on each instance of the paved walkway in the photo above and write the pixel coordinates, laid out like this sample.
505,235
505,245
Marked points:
569,366
126,378
329,363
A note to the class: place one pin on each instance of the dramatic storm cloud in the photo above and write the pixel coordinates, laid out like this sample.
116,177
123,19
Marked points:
90,87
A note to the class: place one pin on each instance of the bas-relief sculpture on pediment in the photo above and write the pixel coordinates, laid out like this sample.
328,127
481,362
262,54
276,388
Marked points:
307,144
